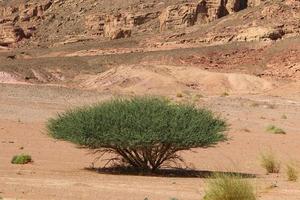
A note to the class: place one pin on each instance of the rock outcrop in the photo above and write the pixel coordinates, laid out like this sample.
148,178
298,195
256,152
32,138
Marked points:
16,22
51,21
110,26
260,33
7,11
188,14
10,34
257,24
95,24
118,26
179,16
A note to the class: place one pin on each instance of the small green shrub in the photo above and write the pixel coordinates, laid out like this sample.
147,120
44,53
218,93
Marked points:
270,163
229,187
21,159
275,130
291,172
143,132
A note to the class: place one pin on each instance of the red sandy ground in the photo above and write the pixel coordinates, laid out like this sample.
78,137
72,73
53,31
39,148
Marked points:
58,168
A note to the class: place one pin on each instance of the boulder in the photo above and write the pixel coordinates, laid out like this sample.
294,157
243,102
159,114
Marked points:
117,33
259,33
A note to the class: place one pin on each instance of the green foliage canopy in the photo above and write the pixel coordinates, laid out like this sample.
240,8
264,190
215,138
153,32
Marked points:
148,129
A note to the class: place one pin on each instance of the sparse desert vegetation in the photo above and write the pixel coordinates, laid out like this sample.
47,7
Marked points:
179,95
144,140
224,94
65,159
292,172
21,159
229,187
275,130
83,89
269,162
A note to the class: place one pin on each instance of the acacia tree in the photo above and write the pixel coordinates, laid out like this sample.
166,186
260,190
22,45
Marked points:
142,132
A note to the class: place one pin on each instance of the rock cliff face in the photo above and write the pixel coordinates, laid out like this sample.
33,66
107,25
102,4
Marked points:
179,16
118,26
115,26
172,17
10,34
95,24
189,14
51,20
18,21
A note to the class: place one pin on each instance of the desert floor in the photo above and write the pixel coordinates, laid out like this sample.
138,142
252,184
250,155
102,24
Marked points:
58,170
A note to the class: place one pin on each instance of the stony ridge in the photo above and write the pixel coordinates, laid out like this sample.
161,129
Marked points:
54,40
25,19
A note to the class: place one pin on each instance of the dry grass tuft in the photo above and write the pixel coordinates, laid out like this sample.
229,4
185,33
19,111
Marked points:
179,95
229,187
270,163
291,172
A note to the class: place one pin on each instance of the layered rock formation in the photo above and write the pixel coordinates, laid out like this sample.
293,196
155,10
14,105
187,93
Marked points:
255,24
118,26
188,14
179,16
18,22
95,24
115,26
258,33
51,20
9,34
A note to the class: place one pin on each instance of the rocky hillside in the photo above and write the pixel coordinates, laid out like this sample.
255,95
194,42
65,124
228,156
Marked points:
52,21
52,41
